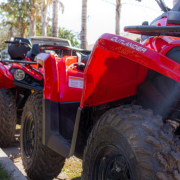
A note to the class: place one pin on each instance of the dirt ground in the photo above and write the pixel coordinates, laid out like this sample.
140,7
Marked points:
14,154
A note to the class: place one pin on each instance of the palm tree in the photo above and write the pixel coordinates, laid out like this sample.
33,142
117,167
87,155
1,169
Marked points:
45,4
32,14
55,17
84,25
44,18
118,13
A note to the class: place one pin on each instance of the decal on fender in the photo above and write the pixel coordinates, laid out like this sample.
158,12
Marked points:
76,82
128,44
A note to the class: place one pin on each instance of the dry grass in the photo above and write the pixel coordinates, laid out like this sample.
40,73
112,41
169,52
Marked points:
73,168
18,126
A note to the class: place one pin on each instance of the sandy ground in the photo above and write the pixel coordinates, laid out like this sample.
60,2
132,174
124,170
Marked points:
14,154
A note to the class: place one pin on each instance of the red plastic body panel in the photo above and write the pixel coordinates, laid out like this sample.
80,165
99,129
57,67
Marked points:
29,71
56,77
118,65
160,43
6,78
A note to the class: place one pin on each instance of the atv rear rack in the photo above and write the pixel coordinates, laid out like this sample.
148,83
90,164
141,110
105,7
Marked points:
17,61
18,43
23,62
154,30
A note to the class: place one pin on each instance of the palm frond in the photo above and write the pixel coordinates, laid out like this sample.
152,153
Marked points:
62,6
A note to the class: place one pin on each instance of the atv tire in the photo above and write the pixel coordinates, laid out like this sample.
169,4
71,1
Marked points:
130,143
7,117
39,161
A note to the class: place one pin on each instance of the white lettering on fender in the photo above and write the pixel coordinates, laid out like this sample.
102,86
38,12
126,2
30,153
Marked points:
128,44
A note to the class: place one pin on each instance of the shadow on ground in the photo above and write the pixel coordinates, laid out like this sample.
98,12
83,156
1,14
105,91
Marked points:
77,178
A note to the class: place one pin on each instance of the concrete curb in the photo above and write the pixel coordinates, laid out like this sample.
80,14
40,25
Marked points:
9,166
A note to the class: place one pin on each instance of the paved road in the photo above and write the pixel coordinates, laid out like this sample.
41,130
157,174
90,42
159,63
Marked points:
14,154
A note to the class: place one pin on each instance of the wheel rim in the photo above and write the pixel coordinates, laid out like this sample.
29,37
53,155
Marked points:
111,164
28,135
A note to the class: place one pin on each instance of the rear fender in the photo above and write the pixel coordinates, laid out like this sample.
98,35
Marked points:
117,66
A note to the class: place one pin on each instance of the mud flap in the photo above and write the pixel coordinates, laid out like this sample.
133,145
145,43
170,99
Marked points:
51,134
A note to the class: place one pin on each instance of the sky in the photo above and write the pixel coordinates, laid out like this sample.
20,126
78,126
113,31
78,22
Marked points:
101,15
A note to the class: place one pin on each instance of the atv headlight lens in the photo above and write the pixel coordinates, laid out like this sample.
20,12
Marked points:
19,74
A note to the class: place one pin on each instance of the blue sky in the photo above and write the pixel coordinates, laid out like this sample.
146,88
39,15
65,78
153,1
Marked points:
101,15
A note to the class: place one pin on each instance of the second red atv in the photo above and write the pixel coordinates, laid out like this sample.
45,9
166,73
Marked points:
21,76
121,114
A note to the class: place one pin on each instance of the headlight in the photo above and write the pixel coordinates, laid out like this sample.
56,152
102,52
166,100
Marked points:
19,74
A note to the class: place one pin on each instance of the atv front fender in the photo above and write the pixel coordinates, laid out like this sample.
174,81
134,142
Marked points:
6,78
117,66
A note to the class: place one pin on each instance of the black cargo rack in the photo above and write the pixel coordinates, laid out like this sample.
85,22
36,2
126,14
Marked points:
154,30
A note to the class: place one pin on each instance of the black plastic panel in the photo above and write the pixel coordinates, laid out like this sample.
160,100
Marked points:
67,118
57,120
173,17
154,30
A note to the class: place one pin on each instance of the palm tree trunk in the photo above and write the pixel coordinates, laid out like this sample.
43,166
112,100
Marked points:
23,29
118,13
10,32
24,33
84,25
55,18
32,20
44,18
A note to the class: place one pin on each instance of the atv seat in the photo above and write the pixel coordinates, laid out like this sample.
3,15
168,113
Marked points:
85,59
17,51
34,51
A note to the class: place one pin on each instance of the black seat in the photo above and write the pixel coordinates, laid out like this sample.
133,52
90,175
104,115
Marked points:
85,59
34,51
18,52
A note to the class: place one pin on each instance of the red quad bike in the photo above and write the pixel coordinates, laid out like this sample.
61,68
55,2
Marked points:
121,114
20,77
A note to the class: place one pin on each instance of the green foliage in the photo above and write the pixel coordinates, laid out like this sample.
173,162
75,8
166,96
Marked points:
66,34
72,36
14,14
3,36
3,174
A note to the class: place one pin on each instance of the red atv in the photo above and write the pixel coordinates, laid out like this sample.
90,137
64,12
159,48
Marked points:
121,114
21,76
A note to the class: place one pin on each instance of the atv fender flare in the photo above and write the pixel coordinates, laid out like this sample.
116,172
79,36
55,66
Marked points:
116,67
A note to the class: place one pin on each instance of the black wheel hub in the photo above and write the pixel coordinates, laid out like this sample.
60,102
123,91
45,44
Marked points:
28,135
111,164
